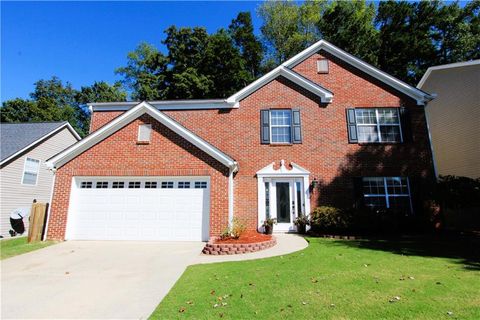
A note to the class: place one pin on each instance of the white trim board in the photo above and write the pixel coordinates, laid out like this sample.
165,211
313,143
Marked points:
127,117
445,66
163,105
48,135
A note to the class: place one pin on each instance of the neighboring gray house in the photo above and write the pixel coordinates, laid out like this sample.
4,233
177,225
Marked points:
454,117
23,174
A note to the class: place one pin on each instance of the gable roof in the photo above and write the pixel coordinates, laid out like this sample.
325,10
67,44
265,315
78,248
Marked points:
324,94
19,137
420,96
446,66
127,117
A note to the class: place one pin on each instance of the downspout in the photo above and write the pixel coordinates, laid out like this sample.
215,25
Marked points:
232,170
54,171
435,172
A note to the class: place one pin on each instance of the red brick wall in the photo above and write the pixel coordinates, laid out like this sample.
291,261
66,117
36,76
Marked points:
325,150
119,155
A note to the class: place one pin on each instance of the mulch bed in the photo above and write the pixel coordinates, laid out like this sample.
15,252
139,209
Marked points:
247,237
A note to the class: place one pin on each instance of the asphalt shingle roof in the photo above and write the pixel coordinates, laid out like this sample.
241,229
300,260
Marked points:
16,136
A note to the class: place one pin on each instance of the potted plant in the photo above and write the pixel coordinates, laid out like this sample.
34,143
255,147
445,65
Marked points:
268,225
301,222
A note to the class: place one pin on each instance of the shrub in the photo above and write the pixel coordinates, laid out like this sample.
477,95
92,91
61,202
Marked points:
326,218
238,227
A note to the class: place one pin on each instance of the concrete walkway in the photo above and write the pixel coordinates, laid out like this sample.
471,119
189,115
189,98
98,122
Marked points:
286,243
105,279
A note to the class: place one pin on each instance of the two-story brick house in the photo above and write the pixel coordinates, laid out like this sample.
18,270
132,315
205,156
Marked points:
322,128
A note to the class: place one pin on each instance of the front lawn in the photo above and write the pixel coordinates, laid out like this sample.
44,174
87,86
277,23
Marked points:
16,246
334,279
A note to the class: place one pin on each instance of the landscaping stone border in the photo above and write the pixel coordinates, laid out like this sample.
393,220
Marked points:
212,248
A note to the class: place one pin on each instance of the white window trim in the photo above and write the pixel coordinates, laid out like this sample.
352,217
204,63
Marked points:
280,126
388,195
378,125
24,170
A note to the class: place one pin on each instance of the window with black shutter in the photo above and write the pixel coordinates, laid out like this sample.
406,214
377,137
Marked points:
280,126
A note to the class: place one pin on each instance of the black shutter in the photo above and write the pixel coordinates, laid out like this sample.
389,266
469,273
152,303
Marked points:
358,192
352,126
265,126
406,125
296,126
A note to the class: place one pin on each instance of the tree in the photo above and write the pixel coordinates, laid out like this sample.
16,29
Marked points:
241,31
289,28
197,64
145,73
54,101
350,26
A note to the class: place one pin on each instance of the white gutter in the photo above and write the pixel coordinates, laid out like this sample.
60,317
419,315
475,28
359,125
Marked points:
54,171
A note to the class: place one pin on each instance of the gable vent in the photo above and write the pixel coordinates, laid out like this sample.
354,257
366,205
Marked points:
322,66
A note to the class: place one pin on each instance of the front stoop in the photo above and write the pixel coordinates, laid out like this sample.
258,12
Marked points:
212,248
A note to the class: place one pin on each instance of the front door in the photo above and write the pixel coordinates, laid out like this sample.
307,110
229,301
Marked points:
289,203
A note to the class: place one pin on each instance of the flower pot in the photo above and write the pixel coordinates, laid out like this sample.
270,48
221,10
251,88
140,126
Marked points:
301,228
268,229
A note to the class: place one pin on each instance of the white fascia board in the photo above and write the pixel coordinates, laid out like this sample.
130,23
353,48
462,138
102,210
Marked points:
418,95
48,135
132,114
445,66
163,105
325,95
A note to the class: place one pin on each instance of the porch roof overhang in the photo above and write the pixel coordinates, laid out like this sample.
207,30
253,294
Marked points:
282,171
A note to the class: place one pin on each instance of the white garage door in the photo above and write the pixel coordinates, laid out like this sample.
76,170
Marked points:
153,208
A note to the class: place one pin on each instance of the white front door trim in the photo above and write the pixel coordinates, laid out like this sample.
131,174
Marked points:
268,175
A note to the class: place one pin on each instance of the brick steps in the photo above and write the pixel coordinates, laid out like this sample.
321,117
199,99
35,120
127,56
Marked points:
212,248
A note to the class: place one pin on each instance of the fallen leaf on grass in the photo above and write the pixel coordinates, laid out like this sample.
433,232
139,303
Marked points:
224,304
332,305
212,292
215,305
189,302
182,310
450,313
411,278
314,280
252,284
394,299
304,303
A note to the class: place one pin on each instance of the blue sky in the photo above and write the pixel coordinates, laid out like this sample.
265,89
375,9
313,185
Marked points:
85,42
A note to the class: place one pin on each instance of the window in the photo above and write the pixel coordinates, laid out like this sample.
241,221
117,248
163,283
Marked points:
267,200
118,185
322,66
102,185
167,184
281,126
86,185
200,184
134,184
30,171
144,132
378,125
150,184
184,184
387,192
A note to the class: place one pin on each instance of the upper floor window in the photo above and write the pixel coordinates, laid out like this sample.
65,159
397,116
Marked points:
30,171
144,133
280,126
381,125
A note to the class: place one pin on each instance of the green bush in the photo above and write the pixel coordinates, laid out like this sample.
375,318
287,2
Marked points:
327,218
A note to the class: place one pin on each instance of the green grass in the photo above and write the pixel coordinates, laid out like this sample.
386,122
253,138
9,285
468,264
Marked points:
13,247
334,279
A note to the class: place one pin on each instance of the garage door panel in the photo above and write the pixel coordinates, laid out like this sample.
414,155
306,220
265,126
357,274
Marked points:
123,213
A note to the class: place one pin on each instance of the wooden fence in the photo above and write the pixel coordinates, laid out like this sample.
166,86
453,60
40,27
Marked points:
38,217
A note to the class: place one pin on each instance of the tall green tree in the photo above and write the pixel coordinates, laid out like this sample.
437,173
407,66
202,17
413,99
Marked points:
350,26
242,33
288,28
197,64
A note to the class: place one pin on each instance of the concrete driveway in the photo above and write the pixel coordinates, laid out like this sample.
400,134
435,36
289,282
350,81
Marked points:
93,279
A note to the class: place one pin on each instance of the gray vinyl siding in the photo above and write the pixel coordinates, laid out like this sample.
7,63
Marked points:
453,119
16,195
